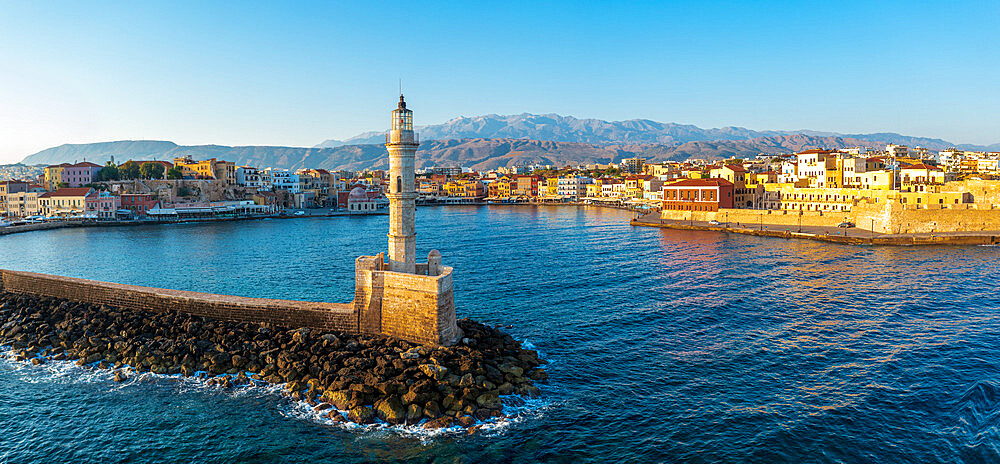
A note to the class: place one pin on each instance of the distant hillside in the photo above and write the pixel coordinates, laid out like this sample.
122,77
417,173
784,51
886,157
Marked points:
101,153
558,128
477,153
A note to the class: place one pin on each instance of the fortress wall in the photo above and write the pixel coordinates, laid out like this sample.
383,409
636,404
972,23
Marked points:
325,316
887,218
411,307
419,308
896,218
751,217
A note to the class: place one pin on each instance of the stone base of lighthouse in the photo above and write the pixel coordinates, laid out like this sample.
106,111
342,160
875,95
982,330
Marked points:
418,307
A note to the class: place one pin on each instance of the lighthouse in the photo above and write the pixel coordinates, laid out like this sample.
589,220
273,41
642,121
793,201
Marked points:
394,295
402,144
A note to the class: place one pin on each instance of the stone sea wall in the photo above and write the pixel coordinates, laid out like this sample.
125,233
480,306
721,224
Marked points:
886,218
415,308
325,316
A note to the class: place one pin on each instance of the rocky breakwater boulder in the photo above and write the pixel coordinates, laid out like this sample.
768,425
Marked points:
346,377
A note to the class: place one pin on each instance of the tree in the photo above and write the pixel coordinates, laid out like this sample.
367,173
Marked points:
129,170
175,173
151,170
108,173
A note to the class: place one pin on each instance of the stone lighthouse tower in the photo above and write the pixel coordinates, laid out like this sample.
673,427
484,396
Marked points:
402,145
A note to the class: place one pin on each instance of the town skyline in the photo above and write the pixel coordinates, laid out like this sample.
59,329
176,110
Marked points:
294,76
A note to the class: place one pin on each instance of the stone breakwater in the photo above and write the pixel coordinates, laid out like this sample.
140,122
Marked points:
345,377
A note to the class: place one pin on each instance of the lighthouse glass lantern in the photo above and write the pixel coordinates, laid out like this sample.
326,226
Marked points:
402,118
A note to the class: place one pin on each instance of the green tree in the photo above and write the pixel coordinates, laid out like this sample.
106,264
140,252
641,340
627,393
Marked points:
108,173
151,171
175,173
129,170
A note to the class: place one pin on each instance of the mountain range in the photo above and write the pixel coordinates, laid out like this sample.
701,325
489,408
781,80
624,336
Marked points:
486,142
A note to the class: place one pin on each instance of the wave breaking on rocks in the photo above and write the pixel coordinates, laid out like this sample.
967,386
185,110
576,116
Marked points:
337,378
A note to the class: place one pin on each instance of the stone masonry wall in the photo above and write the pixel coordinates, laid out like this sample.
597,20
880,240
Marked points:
419,307
887,218
325,316
412,307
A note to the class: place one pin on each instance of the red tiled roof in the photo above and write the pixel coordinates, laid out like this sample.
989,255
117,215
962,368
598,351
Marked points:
85,164
67,192
736,168
922,166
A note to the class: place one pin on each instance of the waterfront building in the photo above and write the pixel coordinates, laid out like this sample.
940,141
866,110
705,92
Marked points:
429,187
698,195
573,187
652,189
101,205
25,204
248,176
358,201
283,179
736,174
551,186
138,203
526,186
7,189
472,189
634,185
80,174
65,201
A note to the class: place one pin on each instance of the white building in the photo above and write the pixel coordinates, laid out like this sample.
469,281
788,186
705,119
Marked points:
283,179
248,176
573,187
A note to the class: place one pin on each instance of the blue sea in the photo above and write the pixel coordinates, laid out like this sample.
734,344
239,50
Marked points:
663,345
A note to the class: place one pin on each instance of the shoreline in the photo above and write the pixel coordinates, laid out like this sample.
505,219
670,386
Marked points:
833,234
343,377
92,223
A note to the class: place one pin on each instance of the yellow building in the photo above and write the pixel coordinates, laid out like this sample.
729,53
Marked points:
207,169
788,197
53,176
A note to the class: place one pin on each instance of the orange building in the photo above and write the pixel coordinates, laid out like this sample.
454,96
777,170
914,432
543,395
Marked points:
698,195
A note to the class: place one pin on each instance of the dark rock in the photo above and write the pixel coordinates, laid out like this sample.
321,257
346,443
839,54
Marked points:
361,415
439,423
414,413
391,410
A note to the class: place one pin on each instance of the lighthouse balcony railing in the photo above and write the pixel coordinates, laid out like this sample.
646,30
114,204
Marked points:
403,137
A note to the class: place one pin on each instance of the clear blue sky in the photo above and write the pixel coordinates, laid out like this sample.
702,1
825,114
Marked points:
283,73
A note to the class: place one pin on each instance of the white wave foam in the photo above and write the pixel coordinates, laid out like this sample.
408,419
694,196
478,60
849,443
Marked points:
66,371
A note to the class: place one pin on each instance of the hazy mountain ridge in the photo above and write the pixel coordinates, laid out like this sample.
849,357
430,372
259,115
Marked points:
559,128
490,141
478,153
